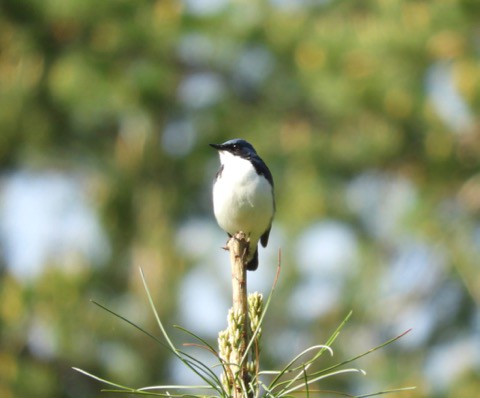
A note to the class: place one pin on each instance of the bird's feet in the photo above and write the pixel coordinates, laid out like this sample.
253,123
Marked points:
242,238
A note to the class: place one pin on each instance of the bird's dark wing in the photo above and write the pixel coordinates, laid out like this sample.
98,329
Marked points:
262,169
219,172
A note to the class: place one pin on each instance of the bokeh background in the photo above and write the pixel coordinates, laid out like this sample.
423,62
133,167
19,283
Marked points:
367,113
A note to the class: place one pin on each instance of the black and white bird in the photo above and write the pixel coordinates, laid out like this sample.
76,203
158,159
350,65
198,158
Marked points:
243,198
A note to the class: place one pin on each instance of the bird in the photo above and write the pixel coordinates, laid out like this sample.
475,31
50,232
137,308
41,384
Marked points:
243,195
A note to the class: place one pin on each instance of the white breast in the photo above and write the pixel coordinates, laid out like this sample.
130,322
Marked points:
242,200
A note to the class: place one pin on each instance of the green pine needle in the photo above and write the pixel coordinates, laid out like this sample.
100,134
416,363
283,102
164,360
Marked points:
294,378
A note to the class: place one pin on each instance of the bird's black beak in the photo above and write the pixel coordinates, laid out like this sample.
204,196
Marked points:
218,147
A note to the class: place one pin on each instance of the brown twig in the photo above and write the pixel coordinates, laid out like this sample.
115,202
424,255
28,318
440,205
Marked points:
238,247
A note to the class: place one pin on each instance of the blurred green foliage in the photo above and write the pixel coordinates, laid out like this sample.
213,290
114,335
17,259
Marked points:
127,94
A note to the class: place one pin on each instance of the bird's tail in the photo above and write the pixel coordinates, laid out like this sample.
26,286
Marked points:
252,265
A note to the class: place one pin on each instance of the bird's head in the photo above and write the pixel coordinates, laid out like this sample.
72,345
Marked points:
236,147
